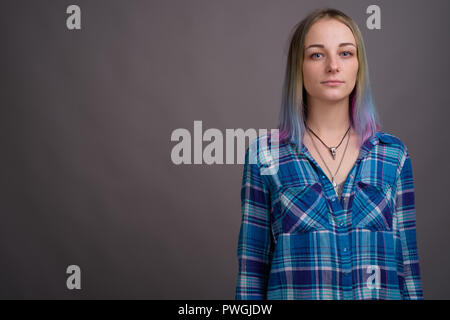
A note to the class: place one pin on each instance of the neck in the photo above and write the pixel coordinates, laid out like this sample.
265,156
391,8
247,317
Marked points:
328,119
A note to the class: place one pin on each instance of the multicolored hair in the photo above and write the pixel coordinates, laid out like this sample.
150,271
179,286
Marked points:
363,115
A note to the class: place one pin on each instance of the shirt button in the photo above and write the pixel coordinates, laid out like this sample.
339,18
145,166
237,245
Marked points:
341,224
345,249
323,177
334,199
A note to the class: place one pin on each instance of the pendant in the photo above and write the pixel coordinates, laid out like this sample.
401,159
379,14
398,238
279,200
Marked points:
335,186
333,152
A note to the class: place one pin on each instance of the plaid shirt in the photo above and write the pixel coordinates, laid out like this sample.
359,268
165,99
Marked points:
297,240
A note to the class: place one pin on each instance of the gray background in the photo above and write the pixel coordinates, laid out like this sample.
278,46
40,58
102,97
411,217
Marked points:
86,119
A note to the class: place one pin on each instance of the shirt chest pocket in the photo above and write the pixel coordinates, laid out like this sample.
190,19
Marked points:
372,206
303,209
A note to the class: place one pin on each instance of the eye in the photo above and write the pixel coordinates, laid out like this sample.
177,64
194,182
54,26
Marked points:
314,54
349,53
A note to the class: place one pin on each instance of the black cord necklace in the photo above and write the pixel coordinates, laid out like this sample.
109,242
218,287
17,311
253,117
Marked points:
332,149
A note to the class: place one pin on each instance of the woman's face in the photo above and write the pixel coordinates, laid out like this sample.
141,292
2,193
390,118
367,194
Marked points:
330,54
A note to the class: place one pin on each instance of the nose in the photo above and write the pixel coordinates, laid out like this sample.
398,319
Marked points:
332,65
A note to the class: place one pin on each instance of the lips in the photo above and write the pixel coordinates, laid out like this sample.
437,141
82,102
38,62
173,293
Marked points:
333,81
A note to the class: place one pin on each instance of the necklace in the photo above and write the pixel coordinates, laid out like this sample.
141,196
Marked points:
335,186
332,149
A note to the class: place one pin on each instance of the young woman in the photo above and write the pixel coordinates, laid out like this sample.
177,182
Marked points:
337,219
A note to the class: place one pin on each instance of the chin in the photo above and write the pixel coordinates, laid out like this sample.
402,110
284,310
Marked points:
334,97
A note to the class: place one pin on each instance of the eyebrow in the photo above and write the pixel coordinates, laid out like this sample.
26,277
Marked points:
322,46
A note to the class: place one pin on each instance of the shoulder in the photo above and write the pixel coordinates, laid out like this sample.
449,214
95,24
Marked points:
258,149
391,140
265,147
396,147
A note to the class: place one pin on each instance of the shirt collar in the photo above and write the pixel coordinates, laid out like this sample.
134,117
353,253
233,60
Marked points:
383,137
379,136
367,145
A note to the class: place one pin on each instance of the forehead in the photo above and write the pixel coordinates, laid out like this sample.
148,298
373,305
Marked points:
329,32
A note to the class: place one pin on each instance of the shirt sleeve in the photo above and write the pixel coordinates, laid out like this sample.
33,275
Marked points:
255,238
410,280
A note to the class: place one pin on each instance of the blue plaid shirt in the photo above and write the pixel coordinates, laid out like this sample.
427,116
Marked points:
298,240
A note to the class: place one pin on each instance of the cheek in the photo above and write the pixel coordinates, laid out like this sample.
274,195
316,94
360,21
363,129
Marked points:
351,71
355,68
309,73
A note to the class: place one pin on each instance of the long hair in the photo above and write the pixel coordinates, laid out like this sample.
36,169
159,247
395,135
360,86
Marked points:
363,115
